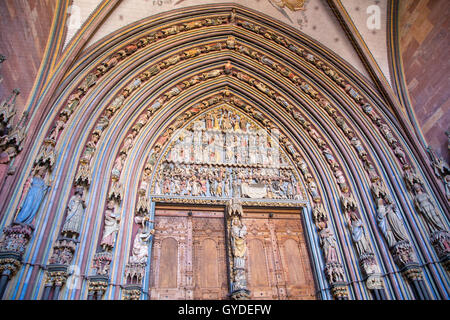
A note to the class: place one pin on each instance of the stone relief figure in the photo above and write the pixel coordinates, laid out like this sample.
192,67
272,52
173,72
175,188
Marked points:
398,151
58,128
358,235
329,245
320,216
75,211
140,246
314,192
112,221
5,158
428,211
387,133
118,165
34,197
390,223
238,245
371,112
441,168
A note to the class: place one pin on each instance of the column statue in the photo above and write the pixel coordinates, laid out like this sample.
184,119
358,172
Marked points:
75,211
34,197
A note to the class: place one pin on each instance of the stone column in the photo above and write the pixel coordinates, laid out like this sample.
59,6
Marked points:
13,243
57,275
97,286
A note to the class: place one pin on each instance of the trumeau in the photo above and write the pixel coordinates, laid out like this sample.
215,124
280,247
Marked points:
316,20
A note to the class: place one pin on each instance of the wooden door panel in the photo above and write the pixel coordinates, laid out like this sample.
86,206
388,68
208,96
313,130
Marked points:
278,260
168,258
295,259
188,255
210,271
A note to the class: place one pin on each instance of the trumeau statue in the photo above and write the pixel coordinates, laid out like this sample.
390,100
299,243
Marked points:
238,245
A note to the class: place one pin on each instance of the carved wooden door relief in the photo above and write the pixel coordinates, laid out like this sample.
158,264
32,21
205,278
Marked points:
189,254
278,263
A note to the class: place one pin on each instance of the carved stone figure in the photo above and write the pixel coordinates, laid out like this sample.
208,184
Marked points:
75,211
5,159
441,168
320,216
329,245
58,128
398,151
387,133
238,244
373,175
314,192
390,223
34,197
118,165
112,221
140,246
359,148
368,109
428,211
358,235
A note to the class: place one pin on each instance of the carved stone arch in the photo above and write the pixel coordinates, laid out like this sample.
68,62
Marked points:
104,91
166,125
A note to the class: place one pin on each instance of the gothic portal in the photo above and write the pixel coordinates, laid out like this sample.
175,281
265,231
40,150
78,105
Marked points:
214,152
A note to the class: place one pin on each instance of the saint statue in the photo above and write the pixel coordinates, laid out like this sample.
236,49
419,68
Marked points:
140,246
75,211
111,227
238,245
358,235
390,223
34,197
329,245
428,211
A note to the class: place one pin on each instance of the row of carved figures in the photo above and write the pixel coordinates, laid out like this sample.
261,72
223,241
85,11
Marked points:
226,182
367,108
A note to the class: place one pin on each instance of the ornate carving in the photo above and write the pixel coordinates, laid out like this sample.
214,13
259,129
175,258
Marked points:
134,272
15,238
98,285
63,251
13,243
102,262
132,292
220,149
56,274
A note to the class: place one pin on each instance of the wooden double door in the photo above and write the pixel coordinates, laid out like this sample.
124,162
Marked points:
189,255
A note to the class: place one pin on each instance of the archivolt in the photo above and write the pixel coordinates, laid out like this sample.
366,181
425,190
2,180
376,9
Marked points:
145,58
